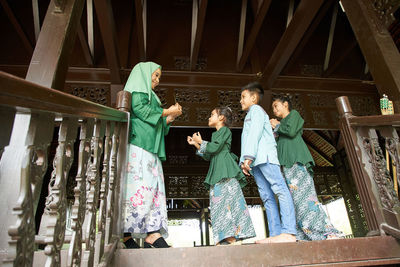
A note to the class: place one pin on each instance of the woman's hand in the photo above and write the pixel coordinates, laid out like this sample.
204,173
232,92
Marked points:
175,110
170,119
197,138
274,123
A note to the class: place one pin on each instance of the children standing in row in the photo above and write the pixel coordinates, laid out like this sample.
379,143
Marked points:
259,155
230,216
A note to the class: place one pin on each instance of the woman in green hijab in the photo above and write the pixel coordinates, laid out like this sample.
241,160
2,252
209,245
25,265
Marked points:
145,200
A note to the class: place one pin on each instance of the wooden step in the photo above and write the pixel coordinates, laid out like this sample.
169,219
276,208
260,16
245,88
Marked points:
367,251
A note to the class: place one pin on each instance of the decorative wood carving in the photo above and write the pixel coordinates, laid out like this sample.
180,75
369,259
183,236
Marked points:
98,93
22,234
384,10
183,63
93,184
79,206
104,188
113,182
381,175
56,201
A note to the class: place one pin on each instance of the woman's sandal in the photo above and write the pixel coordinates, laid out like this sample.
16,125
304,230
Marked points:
159,243
130,243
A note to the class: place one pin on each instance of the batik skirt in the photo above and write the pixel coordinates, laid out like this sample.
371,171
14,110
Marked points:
144,206
230,216
312,221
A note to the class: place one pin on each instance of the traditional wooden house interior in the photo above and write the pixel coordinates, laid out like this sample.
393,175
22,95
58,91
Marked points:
314,51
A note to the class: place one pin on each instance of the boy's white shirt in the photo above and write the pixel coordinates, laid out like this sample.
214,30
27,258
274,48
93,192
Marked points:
258,141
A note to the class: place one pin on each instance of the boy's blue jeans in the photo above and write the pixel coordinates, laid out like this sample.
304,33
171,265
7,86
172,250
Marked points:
270,182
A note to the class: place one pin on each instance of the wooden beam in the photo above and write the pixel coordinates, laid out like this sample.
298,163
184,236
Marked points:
85,46
17,26
290,12
49,63
141,28
198,32
106,21
241,30
36,21
315,23
302,18
331,35
90,27
251,40
340,59
377,46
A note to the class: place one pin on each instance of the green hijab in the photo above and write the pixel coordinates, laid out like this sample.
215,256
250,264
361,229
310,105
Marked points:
140,79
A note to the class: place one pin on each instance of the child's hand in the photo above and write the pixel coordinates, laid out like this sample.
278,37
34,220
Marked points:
197,138
246,167
274,123
190,141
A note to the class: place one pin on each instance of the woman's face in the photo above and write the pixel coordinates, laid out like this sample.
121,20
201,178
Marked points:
155,78
279,108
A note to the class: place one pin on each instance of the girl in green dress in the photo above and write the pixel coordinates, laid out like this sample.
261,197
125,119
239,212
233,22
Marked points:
230,216
297,165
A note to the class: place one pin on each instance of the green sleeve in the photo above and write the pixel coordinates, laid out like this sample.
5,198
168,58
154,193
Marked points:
142,108
217,143
291,125
166,126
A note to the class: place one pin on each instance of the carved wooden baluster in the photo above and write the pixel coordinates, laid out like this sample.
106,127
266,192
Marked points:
392,146
93,192
24,163
104,191
79,207
380,174
111,199
56,201
23,233
6,121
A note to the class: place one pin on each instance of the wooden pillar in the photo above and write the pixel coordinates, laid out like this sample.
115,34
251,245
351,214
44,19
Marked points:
377,45
49,63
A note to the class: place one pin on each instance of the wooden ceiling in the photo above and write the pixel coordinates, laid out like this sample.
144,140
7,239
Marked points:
285,44
268,38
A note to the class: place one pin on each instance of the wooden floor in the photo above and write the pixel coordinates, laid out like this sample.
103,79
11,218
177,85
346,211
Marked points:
368,251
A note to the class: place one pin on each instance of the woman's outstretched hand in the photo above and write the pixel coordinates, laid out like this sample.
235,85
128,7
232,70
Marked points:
274,123
175,110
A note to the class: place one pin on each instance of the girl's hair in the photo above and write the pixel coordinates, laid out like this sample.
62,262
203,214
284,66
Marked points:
283,99
227,113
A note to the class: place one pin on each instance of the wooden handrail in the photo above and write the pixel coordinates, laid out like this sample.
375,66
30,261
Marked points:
25,96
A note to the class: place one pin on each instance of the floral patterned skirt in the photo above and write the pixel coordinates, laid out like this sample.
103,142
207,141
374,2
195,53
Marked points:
144,203
312,221
230,216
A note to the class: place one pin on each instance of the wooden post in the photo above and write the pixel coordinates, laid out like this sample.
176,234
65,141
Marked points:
377,45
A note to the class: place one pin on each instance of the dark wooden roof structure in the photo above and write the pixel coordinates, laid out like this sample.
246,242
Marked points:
209,50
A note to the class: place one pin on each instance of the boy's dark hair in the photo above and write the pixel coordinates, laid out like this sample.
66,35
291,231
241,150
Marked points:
283,99
227,113
255,87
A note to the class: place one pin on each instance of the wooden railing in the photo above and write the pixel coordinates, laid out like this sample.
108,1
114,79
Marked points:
30,114
372,146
